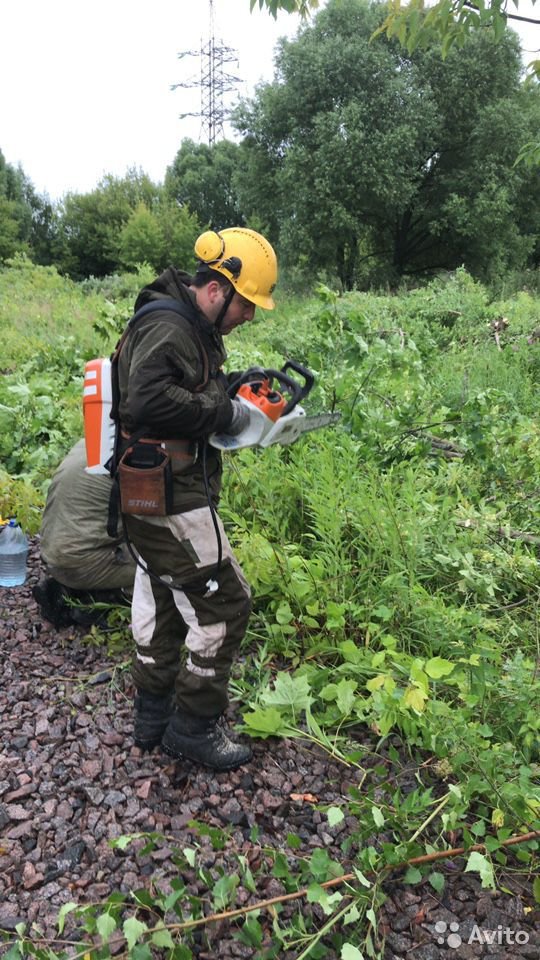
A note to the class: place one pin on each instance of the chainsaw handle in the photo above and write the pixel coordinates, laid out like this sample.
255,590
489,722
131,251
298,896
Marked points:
296,390
252,375
303,372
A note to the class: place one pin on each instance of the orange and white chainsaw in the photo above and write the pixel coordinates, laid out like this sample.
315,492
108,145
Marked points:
274,417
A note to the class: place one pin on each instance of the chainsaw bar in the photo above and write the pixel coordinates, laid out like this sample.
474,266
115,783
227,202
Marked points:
319,420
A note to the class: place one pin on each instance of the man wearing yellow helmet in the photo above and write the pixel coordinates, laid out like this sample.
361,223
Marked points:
191,602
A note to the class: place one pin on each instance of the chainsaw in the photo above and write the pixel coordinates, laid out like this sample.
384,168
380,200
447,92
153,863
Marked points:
275,414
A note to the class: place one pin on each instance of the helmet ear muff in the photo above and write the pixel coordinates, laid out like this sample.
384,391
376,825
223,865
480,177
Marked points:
234,266
209,247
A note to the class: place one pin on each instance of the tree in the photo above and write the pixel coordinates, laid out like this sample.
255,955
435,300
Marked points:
141,239
358,154
204,178
10,230
162,236
417,24
449,22
180,229
303,7
15,210
92,223
28,221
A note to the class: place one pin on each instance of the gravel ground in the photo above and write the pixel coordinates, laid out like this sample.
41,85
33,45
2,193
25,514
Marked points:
71,780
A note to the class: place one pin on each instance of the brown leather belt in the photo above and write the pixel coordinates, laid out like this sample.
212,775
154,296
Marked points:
175,449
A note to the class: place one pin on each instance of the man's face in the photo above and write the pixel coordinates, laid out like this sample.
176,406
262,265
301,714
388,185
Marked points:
240,311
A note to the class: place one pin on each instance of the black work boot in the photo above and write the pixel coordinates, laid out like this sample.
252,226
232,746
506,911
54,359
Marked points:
152,714
203,740
51,598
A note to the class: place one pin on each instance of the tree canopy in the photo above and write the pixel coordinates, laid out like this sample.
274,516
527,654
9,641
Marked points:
362,159
203,178
361,154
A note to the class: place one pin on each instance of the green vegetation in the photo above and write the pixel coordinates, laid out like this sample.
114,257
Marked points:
395,567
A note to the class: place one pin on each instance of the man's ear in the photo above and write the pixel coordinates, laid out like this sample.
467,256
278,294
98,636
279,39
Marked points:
214,289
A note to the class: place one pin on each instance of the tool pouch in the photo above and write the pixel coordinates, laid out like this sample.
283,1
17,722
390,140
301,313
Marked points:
146,481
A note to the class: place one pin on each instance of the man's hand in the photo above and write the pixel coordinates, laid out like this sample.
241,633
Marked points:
240,419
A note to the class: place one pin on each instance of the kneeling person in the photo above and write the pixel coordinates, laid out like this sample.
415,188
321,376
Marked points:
84,566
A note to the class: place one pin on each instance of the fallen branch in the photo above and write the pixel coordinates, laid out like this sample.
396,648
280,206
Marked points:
298,894
347,878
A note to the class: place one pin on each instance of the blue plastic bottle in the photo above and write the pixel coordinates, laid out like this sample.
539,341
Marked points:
13,554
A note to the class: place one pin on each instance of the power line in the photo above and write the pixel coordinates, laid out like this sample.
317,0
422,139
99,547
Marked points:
214,82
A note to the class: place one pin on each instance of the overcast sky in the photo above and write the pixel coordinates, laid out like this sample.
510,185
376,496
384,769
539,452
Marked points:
85,87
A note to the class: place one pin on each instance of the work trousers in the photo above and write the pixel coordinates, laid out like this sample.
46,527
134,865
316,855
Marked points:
186,637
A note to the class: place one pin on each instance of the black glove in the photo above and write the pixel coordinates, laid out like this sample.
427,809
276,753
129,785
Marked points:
240,419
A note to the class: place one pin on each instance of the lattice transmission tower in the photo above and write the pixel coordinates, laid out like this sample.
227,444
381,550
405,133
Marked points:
214,82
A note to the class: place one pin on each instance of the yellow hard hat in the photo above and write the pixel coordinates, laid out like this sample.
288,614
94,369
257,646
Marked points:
245,257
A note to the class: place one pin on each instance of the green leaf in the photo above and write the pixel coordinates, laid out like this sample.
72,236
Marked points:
329,692
293,841
224,890
536,889
478,863
14,953
190,854
351,652
289,691
361,878
382,613
283,614
121,843
318,894
346,696
378,816
142,951
133,929
437,881
352,915
375,683
322,867
350,952
265,723
335,815
63,912
161,937
251,932
105,926
437,667
415,698
413,875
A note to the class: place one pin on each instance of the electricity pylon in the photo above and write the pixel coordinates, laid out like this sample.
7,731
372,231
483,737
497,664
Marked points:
214,82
